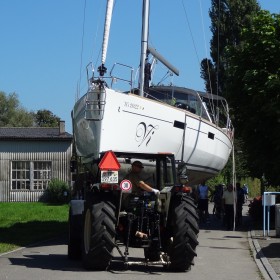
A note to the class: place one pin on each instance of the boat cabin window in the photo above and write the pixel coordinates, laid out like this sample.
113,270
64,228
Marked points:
164,96
183,100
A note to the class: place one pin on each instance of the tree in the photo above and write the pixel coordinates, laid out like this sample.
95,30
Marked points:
45,118
208,74
11,113
228,17
253,86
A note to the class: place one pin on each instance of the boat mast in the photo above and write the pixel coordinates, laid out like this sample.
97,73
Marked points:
144,43
102,69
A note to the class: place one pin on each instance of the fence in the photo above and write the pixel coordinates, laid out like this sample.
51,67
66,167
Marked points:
25,196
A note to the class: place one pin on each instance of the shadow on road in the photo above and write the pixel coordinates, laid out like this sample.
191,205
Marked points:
34,257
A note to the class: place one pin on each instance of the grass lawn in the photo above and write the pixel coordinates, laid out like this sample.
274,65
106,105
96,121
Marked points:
25,223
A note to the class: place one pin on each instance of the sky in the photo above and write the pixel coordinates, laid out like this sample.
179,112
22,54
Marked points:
47,44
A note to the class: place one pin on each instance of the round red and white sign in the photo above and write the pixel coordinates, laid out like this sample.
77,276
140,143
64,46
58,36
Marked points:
125,185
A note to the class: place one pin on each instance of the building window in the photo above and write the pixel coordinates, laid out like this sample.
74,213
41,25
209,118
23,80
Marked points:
31,175
21,175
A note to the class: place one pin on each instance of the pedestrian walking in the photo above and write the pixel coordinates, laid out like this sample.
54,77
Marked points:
202,192
217,198
228,206
239,203
246,191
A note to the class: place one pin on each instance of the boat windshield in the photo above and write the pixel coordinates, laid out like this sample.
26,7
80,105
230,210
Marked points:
181,98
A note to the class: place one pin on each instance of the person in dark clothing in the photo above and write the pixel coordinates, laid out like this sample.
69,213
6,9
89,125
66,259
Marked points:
138,184
239,205
218,195
202,192
246,192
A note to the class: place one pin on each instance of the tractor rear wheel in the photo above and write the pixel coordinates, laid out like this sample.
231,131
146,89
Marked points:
99,235
185,229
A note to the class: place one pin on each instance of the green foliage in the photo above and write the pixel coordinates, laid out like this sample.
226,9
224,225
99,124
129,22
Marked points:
254,186
208,74
58,191
245,51
22,224
45,118
228,18
217,180
253,91
11,113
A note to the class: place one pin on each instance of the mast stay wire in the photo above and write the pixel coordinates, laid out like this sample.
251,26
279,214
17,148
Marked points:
208,68
82,51
188,24
218,53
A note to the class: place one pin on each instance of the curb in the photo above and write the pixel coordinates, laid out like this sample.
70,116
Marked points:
261,261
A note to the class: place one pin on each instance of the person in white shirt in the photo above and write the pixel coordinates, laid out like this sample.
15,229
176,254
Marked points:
228,206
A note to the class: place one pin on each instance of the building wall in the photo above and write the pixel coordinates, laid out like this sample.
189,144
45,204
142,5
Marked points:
57,152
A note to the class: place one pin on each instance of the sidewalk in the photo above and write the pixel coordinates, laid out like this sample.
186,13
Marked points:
265,250
266,253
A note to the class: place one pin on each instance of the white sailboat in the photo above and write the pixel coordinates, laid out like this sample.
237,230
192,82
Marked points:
151,119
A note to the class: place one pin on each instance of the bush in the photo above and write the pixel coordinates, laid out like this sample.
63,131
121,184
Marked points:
58,192
256,210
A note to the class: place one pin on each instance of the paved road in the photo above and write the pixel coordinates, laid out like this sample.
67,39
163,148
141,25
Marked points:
221,255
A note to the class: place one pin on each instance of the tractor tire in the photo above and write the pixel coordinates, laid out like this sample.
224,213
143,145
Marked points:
185,229
74,236
99,235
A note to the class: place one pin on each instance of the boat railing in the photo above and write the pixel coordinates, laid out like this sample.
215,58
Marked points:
115,79
112,79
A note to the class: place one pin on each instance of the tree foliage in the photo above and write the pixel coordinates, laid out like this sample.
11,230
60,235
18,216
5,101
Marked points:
208,74
45,118
11,113
254,93
245,51
228,17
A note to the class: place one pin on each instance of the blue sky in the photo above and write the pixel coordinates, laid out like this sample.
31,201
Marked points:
43,61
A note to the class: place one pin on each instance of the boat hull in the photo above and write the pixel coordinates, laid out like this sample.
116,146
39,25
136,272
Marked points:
128,122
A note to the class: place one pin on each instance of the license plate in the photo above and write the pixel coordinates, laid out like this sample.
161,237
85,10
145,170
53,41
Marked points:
110,177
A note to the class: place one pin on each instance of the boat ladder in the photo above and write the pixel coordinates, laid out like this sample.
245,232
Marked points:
94,106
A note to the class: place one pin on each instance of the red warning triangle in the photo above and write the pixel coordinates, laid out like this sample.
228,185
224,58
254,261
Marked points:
109,162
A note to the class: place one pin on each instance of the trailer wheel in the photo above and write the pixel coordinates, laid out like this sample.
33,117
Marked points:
74,236
99,235
185,229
